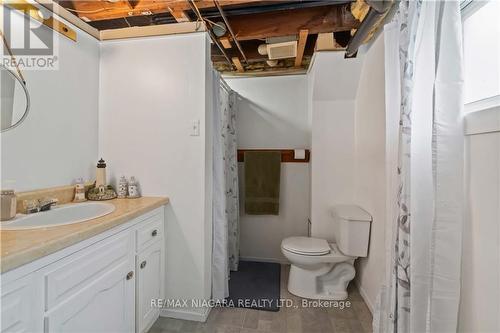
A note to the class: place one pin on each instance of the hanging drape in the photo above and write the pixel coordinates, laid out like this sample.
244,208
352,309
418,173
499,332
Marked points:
229,107
225,252
425,193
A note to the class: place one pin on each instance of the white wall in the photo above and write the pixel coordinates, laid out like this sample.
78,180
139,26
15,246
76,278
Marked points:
370,168
151,91
273,114
348,150
334,81
58,140
332,163
480,292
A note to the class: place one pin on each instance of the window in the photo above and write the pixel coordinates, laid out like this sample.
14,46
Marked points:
481,33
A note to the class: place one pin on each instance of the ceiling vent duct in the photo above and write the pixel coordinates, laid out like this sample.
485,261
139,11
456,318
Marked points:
282,50
219,29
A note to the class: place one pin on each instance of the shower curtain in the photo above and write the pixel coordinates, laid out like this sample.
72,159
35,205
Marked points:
425,191
225,254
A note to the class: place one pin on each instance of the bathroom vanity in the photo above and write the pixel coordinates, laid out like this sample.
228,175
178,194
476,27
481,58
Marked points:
98,275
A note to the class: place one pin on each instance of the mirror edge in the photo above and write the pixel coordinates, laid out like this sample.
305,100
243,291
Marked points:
28,101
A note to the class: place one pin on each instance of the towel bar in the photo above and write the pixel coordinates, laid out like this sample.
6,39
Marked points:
287,155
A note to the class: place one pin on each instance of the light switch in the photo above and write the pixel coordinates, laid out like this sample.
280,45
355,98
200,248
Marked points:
195,128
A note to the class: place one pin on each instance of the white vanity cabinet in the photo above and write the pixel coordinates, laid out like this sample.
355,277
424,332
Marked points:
148,280
93,288
103,284
150,272
22,304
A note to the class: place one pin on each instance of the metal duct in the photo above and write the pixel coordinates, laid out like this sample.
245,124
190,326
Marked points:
377,10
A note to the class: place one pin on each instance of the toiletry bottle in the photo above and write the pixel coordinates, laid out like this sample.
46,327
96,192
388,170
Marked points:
133,188
79,191
8,205
122,187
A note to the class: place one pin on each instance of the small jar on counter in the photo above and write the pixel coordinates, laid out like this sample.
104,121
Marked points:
8,205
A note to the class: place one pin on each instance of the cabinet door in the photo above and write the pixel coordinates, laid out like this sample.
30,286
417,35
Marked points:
104,305
22,305
68,276
149,285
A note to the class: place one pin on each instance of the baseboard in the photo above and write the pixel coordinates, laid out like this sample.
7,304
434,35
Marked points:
186,314
365,297
278,261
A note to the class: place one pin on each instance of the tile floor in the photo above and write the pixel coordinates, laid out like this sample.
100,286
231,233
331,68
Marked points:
356,318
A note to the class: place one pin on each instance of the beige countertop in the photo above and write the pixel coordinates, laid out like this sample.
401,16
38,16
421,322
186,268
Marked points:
19,247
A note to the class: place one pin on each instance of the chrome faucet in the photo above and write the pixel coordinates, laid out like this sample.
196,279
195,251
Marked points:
40,205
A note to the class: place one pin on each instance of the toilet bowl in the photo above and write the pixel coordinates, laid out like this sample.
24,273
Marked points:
322,270
317,275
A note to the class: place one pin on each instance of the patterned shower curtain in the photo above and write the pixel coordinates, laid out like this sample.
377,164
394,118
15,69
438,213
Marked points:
422,287
225,239
228,131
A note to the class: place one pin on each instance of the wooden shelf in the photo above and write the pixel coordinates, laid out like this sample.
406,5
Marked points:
287,155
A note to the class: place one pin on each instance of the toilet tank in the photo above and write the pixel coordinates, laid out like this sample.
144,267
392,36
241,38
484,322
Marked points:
352,229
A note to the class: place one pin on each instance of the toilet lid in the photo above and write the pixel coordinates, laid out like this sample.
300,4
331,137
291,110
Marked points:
306,245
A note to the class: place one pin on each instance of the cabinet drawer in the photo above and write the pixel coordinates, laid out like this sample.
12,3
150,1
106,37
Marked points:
150,231
80,269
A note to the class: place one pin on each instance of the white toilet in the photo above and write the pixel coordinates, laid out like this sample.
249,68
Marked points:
320,270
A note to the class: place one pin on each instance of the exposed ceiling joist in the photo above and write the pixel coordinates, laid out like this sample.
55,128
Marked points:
231,32
270,6
316,20
179,15
267,72
326,42
103,10
249,24
237,63
152,30
225,42
301,46
71,18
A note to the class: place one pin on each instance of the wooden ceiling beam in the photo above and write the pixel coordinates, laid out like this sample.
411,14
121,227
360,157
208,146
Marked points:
225,42
301,46
152,30
102,10
316,20
237,63
59,10
179,15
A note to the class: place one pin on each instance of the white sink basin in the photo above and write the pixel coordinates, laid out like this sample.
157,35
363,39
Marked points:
67,214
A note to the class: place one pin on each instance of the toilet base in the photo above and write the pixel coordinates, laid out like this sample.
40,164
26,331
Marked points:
326,282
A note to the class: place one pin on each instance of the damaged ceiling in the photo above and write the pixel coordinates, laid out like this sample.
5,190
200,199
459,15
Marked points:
250,36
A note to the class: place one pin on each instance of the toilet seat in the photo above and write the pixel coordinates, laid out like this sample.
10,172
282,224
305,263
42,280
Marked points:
307,246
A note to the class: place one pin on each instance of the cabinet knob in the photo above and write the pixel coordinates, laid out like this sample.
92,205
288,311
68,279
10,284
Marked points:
130,275
154,233
143,264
